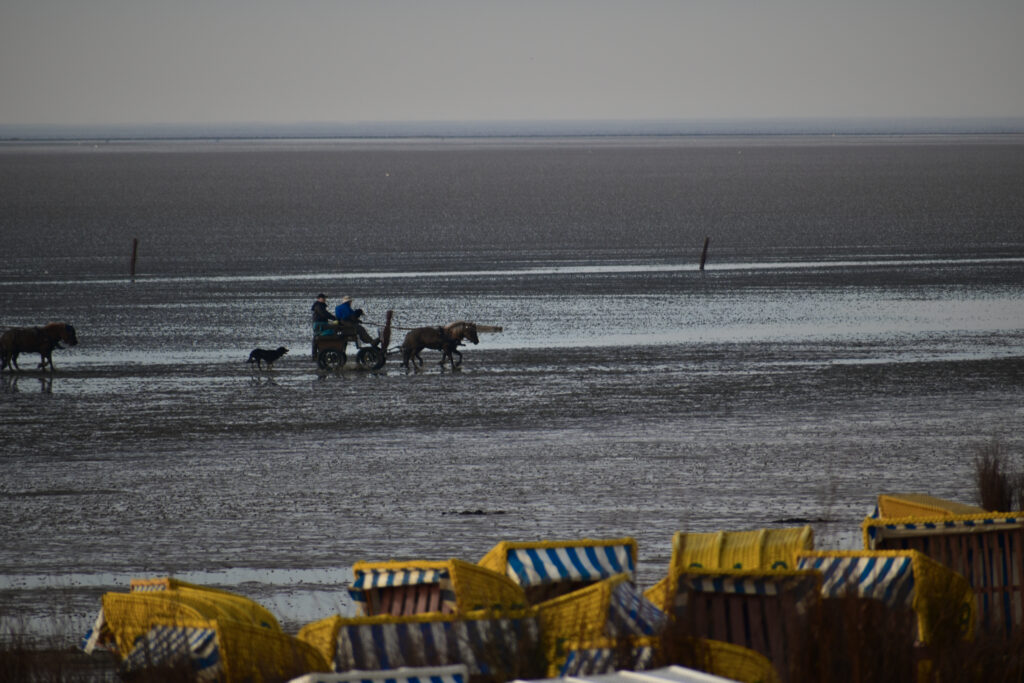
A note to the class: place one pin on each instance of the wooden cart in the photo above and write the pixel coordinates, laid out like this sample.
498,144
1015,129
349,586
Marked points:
331,349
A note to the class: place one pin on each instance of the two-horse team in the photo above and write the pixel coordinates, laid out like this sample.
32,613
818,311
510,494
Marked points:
42,340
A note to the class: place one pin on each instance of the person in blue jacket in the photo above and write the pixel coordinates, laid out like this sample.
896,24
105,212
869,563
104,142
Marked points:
348,320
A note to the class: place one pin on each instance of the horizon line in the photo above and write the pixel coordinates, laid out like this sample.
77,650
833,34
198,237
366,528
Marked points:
516,128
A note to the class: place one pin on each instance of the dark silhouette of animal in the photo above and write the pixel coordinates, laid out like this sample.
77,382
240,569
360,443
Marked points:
444,339
42,340
261,356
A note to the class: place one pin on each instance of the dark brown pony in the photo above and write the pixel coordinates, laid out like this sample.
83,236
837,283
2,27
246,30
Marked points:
42,340
444,339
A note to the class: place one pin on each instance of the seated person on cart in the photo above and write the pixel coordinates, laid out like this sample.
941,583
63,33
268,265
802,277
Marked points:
321,319
348,322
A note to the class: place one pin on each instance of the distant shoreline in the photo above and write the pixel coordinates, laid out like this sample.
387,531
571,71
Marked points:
509,129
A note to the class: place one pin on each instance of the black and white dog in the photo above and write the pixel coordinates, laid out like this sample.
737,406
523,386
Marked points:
261,356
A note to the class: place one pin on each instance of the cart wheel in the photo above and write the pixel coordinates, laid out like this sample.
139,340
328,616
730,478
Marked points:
370,358
331,359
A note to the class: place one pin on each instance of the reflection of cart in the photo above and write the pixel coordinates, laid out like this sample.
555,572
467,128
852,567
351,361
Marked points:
331,347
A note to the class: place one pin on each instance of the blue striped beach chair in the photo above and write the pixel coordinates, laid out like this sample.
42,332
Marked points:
214,634
987,549
762,610
487,643
901,580
547,569
757,550
429,586
578,628
186,648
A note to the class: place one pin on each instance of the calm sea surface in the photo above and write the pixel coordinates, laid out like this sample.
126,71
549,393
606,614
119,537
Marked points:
858,329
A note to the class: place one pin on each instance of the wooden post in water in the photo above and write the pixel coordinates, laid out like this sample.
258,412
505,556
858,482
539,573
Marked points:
704,253
135,254
385,334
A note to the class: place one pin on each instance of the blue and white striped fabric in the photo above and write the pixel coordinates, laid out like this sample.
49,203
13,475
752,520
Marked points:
961,524
472,642
801,587
888,579
98,633
195,648
630,613
148,588
537,566
455,673
605,660
386,578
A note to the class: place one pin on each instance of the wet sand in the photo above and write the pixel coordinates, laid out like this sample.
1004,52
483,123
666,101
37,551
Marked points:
628,394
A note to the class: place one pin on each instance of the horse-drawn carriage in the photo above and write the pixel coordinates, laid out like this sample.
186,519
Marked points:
331,347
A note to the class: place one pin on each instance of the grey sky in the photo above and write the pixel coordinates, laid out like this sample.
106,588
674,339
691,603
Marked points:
187,61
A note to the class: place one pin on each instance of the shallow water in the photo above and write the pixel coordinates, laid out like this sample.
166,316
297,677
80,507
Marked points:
627,394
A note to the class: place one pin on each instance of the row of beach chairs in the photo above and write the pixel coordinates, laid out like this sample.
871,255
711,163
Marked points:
745,599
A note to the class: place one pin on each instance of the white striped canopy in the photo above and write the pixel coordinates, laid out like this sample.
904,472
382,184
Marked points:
800,586
177,645
605,660
631,614
386,578
889,579
435,642
587,563
876,528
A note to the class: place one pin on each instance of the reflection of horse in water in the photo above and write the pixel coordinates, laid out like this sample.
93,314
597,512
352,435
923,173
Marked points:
444,339
42,340
9,383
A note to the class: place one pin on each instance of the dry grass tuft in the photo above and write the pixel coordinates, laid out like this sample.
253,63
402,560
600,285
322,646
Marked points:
998,489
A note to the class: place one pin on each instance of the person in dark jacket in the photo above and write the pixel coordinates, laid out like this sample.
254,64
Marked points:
321,318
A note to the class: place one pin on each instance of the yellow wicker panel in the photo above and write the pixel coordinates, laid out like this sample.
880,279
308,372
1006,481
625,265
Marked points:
942,594
130,615
478,588
757,549
738,663
697,550
920,505
322,635
741,549
660,594
496,558
579,616
781,546
252,653
475,587
231,605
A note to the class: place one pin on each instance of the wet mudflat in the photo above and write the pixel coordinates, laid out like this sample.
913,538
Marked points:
165,453
628,394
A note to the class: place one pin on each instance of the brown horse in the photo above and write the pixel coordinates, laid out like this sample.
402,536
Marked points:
42,340
444,339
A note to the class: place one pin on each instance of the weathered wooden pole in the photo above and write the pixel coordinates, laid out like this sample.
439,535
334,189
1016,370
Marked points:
385,335
704,253
135,254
